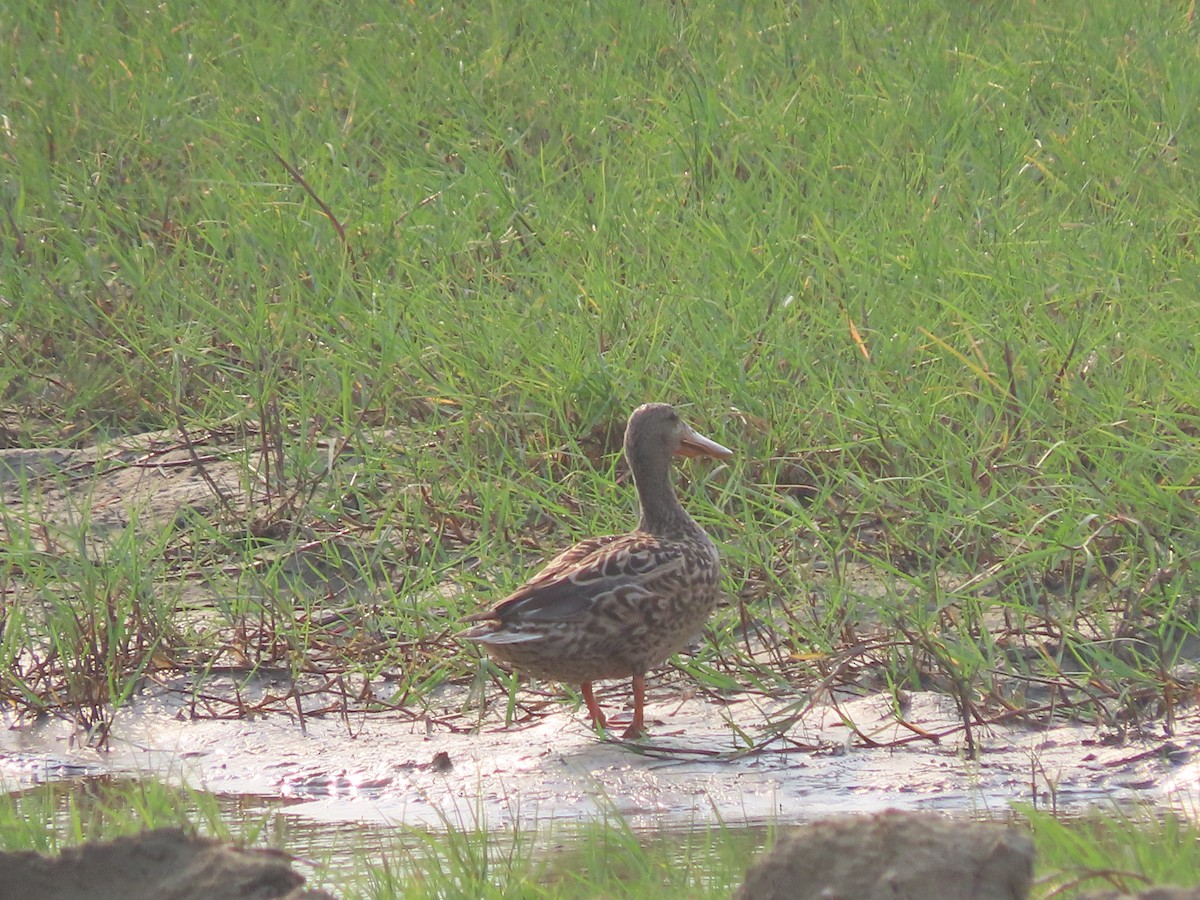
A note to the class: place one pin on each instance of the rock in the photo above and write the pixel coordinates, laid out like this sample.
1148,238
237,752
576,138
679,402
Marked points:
894,855
166,864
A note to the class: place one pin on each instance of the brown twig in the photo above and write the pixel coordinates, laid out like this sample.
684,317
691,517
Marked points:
333,220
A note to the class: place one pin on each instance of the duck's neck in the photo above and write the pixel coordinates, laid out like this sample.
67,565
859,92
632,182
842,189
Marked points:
660,511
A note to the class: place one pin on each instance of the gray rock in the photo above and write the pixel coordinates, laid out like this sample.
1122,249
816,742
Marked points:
166,864
897,856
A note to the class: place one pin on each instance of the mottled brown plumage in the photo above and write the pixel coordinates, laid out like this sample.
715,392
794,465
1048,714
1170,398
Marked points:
618,605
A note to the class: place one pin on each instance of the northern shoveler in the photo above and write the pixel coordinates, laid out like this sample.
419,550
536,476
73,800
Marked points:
618,605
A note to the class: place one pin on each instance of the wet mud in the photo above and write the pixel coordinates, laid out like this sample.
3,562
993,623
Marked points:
694,768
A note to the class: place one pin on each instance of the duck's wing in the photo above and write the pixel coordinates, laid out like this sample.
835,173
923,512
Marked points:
571,584
571,557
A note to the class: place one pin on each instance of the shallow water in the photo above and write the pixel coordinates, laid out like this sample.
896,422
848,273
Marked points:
348,856
332,855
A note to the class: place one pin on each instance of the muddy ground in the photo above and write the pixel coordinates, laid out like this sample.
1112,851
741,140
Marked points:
377,768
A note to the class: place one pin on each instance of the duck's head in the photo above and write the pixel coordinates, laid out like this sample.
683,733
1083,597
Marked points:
657,430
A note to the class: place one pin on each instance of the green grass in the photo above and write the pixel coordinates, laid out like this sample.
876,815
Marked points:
64,814
930,268
573,859
600,858
1127,852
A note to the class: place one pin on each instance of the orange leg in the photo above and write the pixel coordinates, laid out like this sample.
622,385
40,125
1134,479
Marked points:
637,727
593,707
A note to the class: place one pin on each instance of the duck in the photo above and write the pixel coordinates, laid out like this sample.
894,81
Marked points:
616,606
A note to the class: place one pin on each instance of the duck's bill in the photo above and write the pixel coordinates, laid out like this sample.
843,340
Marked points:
695,444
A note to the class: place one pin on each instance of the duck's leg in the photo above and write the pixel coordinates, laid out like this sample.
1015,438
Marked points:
593,707
637,727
